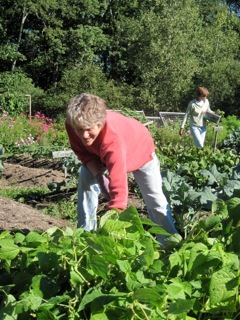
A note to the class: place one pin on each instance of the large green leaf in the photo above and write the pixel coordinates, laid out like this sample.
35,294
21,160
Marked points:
45,314
99,266
147,295
219,207
214,176
7,311
116,227
197,258
28,301
181,306
8,250
99,316
55,301
230,187
131,215
35,238
207,196
124,266
95,294
178,289
44,286
147,257
110,214
223,290
211,222
233,206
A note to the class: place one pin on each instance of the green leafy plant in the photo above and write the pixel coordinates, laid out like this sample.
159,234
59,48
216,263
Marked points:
232,141
15,91
62,209
186,199
72,165
24,194
188,161
120,271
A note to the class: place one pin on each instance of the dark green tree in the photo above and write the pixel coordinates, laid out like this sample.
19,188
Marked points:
144,54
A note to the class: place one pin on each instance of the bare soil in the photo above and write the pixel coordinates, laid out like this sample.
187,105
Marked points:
25,172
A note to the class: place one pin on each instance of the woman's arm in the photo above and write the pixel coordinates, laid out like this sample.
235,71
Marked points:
95,167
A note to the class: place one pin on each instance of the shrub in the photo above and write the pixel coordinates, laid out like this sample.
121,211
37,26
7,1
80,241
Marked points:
15,91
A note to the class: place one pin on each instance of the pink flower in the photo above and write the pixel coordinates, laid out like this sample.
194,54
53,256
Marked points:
45,128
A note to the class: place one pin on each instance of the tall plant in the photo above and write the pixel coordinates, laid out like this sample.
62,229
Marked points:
16,89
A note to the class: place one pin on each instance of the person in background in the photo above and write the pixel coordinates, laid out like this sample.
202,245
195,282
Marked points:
106,140
195,112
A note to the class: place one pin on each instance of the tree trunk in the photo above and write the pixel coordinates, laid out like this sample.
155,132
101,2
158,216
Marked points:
24,16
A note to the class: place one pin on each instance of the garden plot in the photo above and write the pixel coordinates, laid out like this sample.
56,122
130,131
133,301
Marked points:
15,215
25,172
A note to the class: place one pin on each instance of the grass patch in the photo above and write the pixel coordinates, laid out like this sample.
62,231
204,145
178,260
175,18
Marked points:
23,195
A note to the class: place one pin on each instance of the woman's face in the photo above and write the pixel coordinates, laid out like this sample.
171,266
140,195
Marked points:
89,135
202,97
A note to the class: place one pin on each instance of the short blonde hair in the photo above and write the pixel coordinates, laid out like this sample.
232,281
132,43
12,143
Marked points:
86,111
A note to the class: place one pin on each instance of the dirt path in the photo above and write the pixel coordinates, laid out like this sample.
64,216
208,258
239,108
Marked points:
14,215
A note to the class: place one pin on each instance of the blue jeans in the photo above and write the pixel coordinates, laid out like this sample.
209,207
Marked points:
198,134
149,180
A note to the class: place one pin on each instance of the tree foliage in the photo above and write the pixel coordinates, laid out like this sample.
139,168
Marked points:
142,54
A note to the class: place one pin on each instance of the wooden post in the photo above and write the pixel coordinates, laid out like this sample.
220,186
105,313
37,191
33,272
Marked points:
30,104
62,154
216,129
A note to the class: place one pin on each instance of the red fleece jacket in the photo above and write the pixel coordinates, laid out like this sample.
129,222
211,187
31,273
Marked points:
123,145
